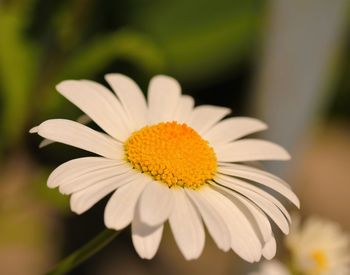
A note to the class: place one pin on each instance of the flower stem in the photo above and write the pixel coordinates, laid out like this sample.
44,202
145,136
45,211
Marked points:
85,252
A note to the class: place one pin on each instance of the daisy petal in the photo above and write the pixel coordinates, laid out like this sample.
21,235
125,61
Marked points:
146,239
77,167
271,210
232,129
92,98
91,176
261,220
244,240
84,199
205,116
156,203
265,205
123,118
83,119
120,208
239,184
45,142
184,108
186,226
261,177
80,136
256,217
163,95
131,96
34,130
250,150
269,250
214,222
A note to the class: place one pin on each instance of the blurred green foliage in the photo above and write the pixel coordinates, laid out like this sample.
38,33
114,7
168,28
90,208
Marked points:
18,67
44,42
41,45
201,38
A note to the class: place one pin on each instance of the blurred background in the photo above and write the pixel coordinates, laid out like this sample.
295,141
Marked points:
285,62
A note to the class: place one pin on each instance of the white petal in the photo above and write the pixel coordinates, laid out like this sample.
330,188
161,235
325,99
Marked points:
131,96
250,150
34,130
84,199
80,136
205,116
269,250
163,95
186,226
146,239
77,167
156,203
184,109
239,184
244,240
98,103
256,217
214,222
232,129
120,209
261,177
97,174
123,117
271,210
267,206
45,142
83,119
261,220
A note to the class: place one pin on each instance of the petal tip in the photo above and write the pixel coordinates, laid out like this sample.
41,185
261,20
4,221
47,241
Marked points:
288,156
45,142
76,210
284,154
34,130
108,224
111,76
297,202
62,86
165,80
75,206
263,126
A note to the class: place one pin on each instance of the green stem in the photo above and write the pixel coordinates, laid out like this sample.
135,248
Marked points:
82,254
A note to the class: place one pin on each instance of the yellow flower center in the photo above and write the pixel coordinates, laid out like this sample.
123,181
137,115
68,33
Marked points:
172,153
320,259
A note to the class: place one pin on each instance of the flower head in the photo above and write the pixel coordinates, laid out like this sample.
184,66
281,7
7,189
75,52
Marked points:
319,247
166,160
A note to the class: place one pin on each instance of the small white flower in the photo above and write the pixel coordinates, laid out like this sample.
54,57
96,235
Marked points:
319,247
168,160
271,268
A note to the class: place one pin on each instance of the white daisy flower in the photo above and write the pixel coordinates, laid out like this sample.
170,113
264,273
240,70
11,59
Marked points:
271,268
167,160
319,247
